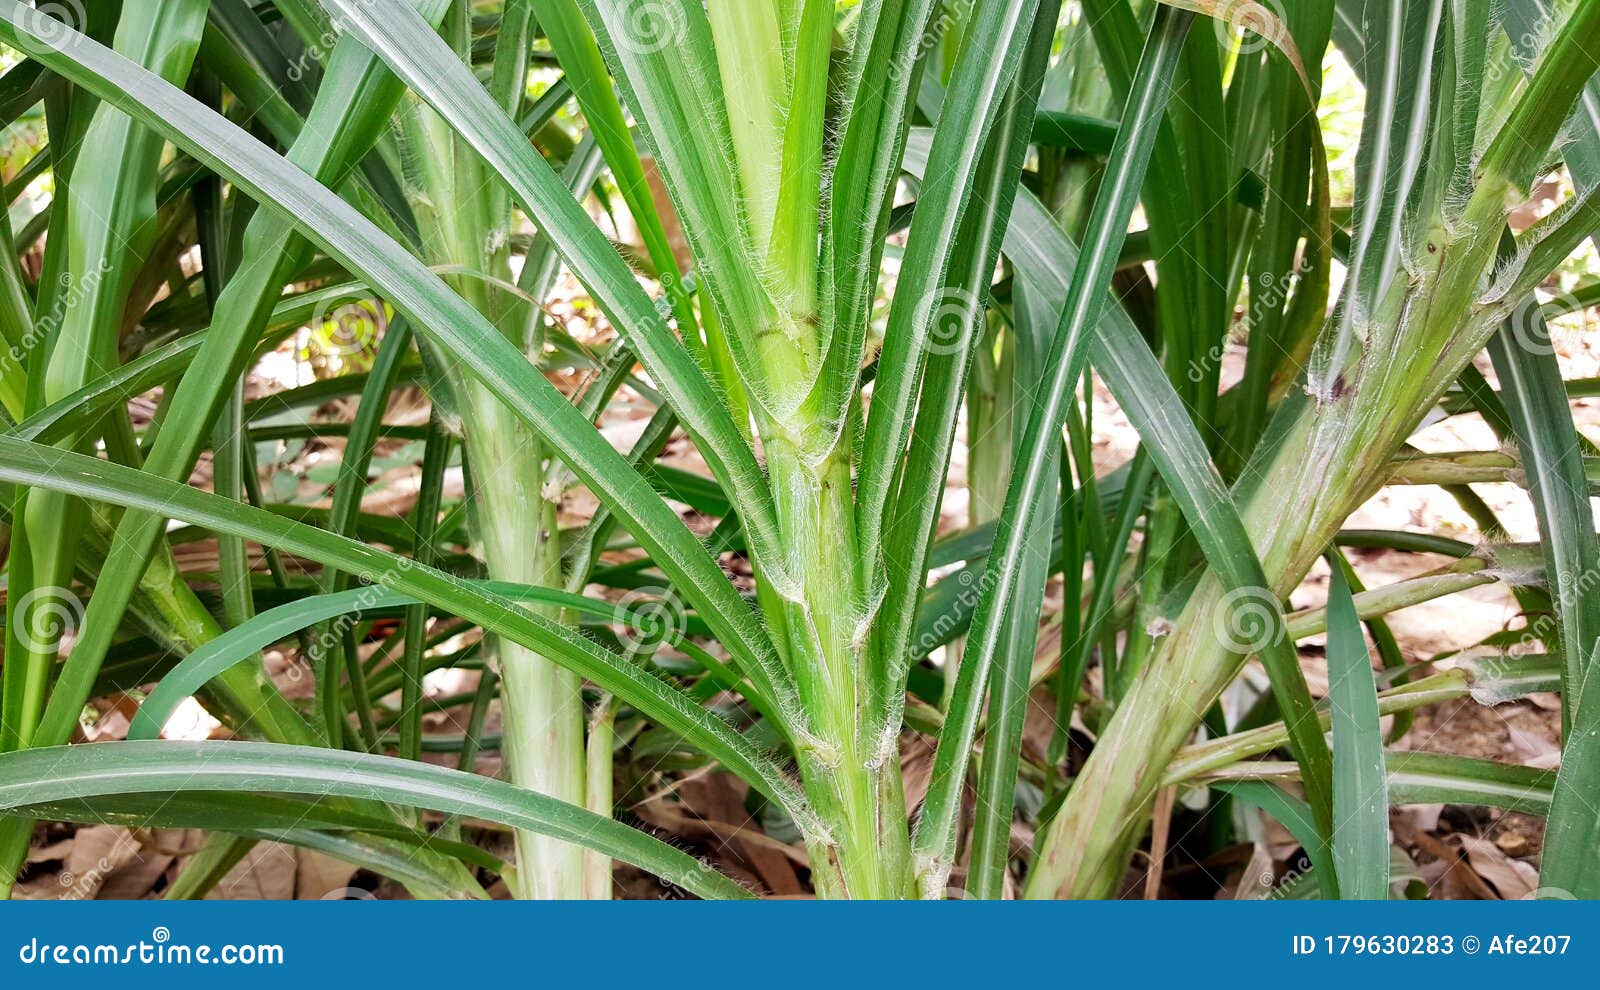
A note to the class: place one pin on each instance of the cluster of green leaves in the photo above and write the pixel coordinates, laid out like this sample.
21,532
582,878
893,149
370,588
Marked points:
224,173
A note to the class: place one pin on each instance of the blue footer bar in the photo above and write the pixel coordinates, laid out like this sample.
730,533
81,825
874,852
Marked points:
790,944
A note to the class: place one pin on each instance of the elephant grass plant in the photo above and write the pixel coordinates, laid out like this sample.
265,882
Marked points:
314,152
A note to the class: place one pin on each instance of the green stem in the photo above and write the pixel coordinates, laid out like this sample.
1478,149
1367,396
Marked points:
598,775
852,780
542,703
1208,757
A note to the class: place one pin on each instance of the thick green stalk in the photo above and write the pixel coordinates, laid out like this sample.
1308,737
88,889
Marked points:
1321,458
541,702
774,65
853,784
597,779
777,142
750,57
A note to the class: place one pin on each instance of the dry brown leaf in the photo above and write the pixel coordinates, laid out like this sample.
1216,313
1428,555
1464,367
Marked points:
1513,879
136,880
266,873
319,876
54,850
1547,701
97,852
1534,749
916,768
1257,879
1422,817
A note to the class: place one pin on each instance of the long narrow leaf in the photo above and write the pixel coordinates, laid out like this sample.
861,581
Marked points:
1360,797
935,840
85,477
86,772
